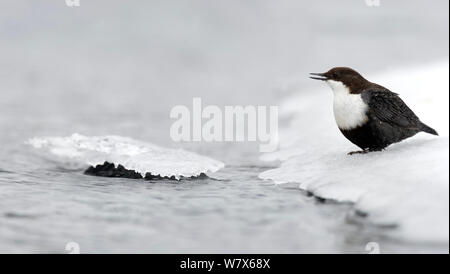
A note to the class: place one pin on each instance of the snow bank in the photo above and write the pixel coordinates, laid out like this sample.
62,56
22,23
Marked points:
406,186
132,154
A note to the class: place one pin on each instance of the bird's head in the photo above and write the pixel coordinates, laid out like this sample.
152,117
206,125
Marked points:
342,76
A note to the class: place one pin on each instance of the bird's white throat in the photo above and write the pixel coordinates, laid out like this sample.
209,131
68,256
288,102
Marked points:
349,109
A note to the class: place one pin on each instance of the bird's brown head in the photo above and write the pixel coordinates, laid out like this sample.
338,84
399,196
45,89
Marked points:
347,76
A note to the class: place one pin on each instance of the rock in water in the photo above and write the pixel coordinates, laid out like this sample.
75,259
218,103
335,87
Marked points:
110,170
126,157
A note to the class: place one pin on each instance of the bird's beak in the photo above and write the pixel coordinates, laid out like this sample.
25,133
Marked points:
319,76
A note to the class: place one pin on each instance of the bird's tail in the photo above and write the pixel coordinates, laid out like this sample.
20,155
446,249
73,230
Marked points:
428,129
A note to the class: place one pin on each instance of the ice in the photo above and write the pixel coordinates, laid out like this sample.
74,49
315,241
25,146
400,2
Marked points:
132,154
406,186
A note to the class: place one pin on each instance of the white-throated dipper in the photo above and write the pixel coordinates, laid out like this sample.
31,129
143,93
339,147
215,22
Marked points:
369,115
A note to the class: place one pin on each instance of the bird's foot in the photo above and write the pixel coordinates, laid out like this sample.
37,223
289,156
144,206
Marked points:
364,151
358,152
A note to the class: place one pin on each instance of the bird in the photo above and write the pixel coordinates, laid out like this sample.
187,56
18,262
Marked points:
369,115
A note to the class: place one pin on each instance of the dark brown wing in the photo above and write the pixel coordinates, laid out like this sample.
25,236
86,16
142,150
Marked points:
389,108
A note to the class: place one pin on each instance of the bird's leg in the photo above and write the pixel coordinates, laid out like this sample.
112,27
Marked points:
365,151
359,152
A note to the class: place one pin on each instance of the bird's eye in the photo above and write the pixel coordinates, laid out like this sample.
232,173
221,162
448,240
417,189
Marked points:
335,75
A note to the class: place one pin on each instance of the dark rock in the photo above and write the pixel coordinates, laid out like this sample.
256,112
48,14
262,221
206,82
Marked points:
360,213
151,177
110,170
320,199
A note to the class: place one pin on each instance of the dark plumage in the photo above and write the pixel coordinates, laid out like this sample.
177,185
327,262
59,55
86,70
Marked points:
385,118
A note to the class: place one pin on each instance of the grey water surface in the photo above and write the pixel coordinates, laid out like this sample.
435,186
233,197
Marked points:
116,67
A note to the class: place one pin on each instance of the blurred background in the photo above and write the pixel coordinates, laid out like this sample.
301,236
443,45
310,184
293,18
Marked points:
67,69
118,67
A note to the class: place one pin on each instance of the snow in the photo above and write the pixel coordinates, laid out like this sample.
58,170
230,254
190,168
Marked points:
406,186
132,154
